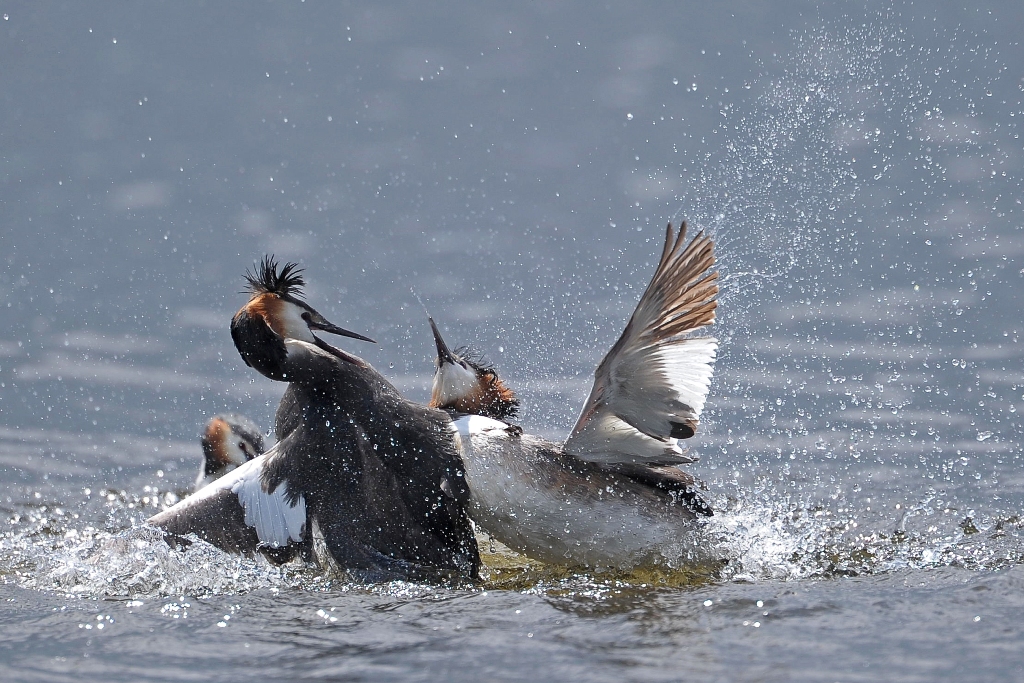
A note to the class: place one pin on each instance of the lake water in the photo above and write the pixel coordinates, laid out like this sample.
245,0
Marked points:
514,168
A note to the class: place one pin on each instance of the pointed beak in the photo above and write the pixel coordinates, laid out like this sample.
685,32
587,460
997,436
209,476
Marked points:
444,354
335,351
318,322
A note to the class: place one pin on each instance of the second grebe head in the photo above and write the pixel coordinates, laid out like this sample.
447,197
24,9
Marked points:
228,441
467,384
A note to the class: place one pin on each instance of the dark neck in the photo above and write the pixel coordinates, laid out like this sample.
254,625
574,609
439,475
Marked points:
213,463
260,347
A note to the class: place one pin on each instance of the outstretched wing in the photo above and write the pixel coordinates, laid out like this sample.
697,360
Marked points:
650,388
238,514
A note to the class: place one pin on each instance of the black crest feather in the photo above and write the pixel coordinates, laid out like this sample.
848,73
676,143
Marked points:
266,278
475,358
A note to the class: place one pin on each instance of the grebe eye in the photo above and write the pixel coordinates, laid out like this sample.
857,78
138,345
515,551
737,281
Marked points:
306,316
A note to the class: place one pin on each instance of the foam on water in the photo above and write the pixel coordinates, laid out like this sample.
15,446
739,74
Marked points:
749,540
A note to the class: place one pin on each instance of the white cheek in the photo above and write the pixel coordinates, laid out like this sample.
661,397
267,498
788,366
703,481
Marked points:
456,382
290,319
235,454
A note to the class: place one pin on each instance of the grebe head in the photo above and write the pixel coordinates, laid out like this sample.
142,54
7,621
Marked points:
465,383
228,441
275,302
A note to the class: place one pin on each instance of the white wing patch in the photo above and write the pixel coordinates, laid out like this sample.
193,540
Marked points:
687,365
607,438
649,391
650,388
276,522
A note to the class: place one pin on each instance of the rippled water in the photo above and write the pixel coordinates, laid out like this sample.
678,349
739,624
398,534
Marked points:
861,173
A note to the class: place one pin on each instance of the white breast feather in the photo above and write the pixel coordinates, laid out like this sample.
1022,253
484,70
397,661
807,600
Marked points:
469,426
203,479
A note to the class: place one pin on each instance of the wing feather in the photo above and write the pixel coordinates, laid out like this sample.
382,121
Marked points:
228,511
651,387
277,522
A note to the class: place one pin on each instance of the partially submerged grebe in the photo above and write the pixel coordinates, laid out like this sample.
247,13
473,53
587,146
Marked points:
229,441
611,495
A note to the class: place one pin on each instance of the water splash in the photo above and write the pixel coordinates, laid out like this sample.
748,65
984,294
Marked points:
135,563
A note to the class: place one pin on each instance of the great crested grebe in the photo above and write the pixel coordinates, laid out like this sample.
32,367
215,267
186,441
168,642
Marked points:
229,441
376,479
611,495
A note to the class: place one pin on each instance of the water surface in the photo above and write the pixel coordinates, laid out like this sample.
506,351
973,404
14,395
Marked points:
860,171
